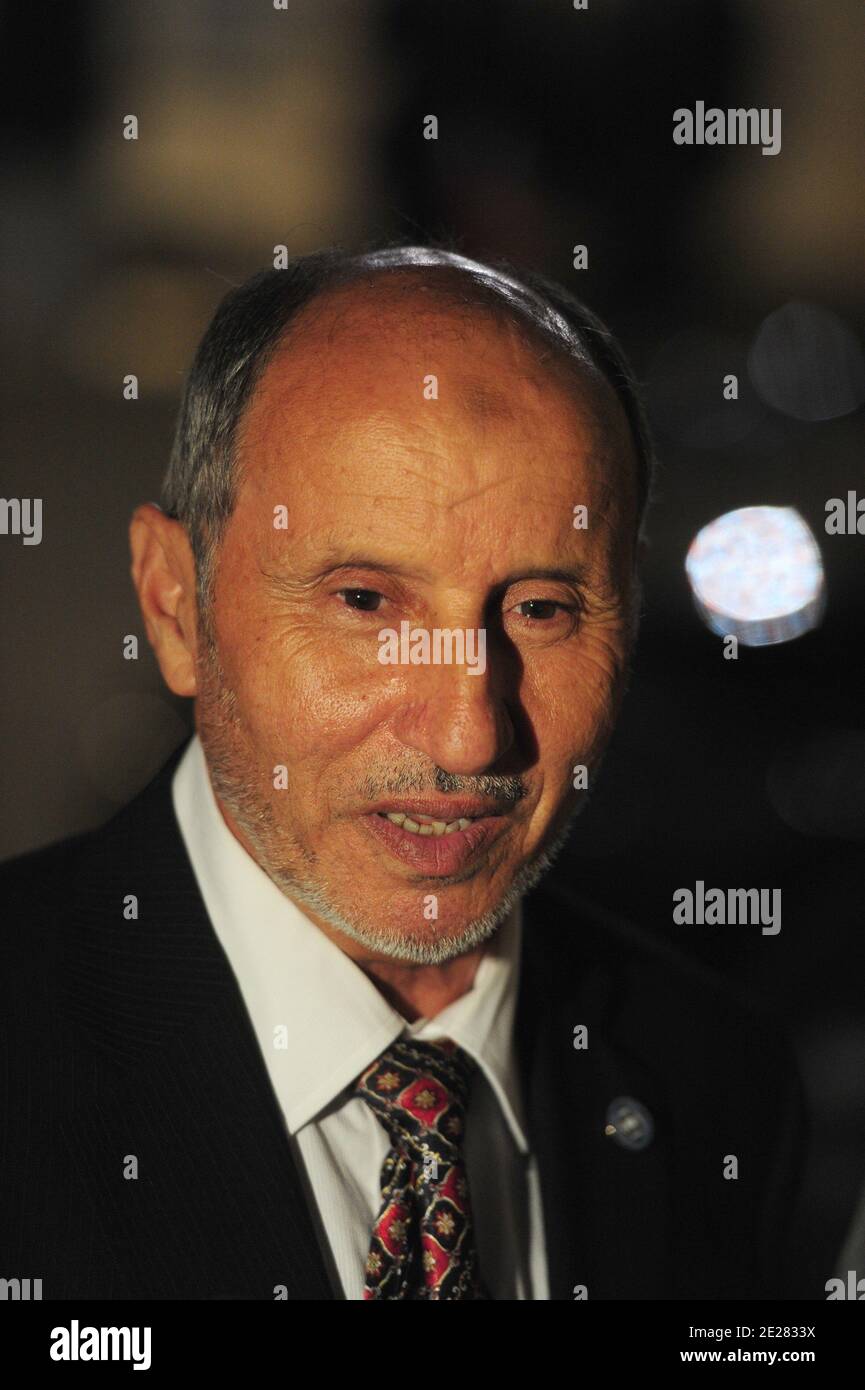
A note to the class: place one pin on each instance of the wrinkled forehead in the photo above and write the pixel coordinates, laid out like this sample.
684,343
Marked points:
403,420
396,343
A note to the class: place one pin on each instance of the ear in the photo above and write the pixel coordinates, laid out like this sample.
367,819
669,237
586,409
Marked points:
163,572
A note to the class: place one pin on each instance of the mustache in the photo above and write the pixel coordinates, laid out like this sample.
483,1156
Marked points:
506,790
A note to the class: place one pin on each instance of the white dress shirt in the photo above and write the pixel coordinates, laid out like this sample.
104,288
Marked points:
320,1021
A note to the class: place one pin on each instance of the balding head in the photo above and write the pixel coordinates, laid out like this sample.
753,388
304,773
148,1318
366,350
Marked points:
263,314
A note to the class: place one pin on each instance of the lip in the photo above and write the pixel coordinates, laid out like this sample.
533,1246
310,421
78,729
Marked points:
435,856
448,809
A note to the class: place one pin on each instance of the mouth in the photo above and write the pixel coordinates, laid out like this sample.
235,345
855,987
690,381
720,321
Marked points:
419,824
440,839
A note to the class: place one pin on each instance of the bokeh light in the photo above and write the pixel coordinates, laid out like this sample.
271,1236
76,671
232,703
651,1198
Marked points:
807,363
756,574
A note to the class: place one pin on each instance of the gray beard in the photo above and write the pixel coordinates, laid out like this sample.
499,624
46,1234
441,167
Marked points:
416,950
219,728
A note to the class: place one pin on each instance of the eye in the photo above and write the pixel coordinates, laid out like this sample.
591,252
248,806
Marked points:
363,600
542,609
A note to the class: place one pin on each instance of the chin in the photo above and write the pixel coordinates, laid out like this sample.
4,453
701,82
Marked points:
429,943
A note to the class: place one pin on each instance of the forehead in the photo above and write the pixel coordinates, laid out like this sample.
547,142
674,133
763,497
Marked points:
396,391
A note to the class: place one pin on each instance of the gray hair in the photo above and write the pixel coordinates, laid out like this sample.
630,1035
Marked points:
199,488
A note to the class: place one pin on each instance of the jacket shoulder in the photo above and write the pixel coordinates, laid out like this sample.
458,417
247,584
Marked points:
42,888
33,889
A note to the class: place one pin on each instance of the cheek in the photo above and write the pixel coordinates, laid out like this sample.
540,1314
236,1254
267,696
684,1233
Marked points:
307,697
572,699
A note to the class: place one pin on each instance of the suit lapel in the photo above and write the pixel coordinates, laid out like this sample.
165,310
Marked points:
178,1092
606,1208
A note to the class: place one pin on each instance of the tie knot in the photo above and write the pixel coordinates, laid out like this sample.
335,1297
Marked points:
418,1090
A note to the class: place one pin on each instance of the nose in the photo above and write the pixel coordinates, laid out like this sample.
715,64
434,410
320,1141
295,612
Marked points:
457,718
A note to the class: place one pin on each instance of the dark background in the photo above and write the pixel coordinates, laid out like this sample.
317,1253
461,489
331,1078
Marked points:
303,127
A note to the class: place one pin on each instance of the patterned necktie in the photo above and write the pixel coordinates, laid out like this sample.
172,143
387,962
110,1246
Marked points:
423,1244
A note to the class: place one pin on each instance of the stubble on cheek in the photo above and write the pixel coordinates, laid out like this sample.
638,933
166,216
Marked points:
236,772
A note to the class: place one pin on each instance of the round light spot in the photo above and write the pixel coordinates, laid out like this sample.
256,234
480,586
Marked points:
807,363
756,574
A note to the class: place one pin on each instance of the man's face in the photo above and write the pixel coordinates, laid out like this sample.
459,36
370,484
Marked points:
365,502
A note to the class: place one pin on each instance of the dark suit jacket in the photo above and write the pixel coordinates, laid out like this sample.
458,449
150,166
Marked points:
131,1038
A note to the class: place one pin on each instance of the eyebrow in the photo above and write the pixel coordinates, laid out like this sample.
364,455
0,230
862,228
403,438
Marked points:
571,574
576,575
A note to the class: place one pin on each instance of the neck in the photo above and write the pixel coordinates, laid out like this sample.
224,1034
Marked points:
422,991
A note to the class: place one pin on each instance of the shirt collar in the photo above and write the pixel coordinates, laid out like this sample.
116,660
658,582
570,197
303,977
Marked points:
318,1018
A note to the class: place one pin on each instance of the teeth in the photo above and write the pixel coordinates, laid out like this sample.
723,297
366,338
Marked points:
425,825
